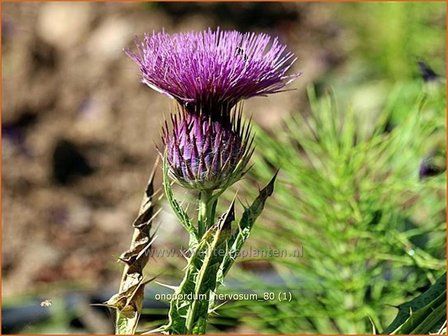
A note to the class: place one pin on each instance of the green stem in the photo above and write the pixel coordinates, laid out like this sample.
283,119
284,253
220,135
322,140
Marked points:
206,213
189,316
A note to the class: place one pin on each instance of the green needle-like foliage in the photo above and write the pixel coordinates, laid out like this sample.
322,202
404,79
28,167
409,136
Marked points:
351,195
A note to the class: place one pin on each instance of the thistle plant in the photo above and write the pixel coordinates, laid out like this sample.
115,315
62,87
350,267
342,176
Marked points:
208,146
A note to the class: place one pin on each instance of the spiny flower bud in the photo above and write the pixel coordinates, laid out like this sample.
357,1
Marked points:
207,152
213,69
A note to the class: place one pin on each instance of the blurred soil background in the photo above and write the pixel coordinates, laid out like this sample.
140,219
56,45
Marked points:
79,130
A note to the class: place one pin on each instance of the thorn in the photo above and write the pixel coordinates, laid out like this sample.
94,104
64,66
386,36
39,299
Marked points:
102,305
217,307
150,186
145,282
269,189
165,285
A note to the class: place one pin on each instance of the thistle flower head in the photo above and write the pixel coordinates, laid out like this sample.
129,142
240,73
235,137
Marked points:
213,68
207,152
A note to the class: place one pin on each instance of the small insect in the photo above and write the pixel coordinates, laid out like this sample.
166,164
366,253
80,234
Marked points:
240,52
426,72
46,303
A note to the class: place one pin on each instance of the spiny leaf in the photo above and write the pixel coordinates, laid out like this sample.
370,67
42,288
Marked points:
189,315
248,218
412,313
140,247
180,213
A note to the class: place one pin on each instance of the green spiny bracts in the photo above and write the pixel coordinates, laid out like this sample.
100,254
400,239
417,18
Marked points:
207,151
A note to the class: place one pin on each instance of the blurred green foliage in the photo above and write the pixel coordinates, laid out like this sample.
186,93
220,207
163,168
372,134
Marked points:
349,193
385,39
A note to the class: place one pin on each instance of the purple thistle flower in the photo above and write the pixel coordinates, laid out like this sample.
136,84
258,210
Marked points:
213,69
207,152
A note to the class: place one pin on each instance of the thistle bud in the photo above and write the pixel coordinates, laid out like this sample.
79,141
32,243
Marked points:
207,151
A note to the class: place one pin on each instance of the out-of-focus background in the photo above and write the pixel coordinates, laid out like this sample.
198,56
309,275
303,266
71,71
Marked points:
79,130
